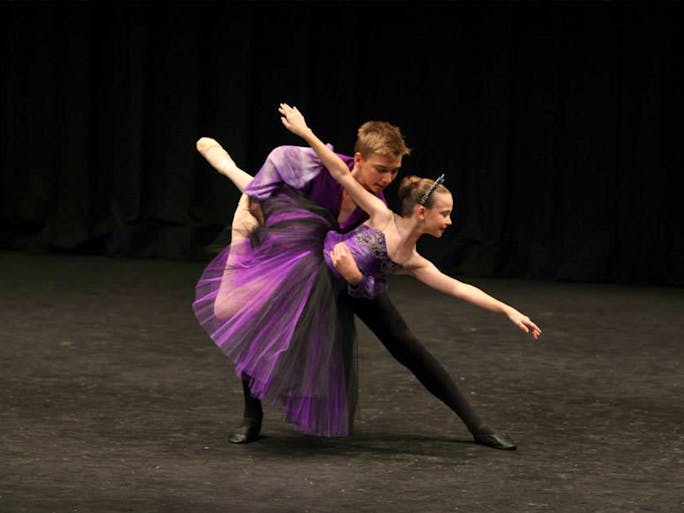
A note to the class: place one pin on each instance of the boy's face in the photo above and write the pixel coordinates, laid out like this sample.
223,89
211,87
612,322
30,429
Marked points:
376,171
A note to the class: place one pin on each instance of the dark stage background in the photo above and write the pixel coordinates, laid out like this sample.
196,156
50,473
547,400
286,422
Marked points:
559,124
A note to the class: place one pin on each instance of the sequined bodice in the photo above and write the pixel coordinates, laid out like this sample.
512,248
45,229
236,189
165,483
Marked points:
369,249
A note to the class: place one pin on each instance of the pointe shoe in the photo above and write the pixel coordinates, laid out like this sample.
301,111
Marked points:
246,432
495,441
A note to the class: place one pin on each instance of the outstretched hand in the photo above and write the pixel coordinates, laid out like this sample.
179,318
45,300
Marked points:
292,119
524,323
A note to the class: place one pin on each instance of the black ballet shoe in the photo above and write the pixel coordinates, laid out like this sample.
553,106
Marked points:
494,441
246,432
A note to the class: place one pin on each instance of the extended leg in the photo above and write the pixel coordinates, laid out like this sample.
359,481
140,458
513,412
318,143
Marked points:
222,162
383,319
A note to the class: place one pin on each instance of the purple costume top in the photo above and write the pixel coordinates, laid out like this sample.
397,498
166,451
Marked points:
300,168
271,301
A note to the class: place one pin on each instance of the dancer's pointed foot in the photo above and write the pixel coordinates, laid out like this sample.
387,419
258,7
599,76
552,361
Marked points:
246,432
216,155
495,441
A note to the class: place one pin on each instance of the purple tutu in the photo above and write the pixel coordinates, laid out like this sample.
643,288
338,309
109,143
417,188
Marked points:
270,304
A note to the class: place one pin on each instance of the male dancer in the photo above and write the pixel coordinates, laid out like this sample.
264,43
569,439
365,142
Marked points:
379,150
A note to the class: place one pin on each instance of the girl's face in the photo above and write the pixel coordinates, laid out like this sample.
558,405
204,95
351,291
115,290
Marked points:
437,218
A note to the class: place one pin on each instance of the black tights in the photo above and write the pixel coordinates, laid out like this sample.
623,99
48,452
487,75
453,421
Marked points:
253,412
383,319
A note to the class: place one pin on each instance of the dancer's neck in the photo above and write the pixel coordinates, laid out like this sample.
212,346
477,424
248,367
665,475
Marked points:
409,230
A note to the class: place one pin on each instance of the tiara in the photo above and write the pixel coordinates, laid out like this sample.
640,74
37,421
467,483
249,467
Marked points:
432,188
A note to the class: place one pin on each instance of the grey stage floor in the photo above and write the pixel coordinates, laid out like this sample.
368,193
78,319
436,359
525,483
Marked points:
114,400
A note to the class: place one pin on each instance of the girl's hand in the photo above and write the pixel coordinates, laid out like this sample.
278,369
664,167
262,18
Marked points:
292,119
344,263
524,323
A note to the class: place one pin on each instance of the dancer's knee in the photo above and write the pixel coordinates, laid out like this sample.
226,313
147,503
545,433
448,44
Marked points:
222,311
405,348
225,308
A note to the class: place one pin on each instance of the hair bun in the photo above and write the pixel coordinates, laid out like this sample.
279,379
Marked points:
408,183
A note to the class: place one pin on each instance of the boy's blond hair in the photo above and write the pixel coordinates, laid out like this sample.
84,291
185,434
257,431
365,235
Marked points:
382,138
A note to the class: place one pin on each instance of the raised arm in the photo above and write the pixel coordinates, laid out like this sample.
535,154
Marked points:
426,272
295,123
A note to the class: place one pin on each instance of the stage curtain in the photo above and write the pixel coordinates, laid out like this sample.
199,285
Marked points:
558,124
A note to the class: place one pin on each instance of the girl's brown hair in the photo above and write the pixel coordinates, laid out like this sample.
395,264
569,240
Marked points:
412,189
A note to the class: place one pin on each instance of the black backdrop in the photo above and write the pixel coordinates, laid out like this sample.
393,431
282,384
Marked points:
559,124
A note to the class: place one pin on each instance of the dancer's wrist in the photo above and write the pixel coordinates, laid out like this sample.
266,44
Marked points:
354,278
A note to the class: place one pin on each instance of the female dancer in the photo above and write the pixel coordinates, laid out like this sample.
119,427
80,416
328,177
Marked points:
270,300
